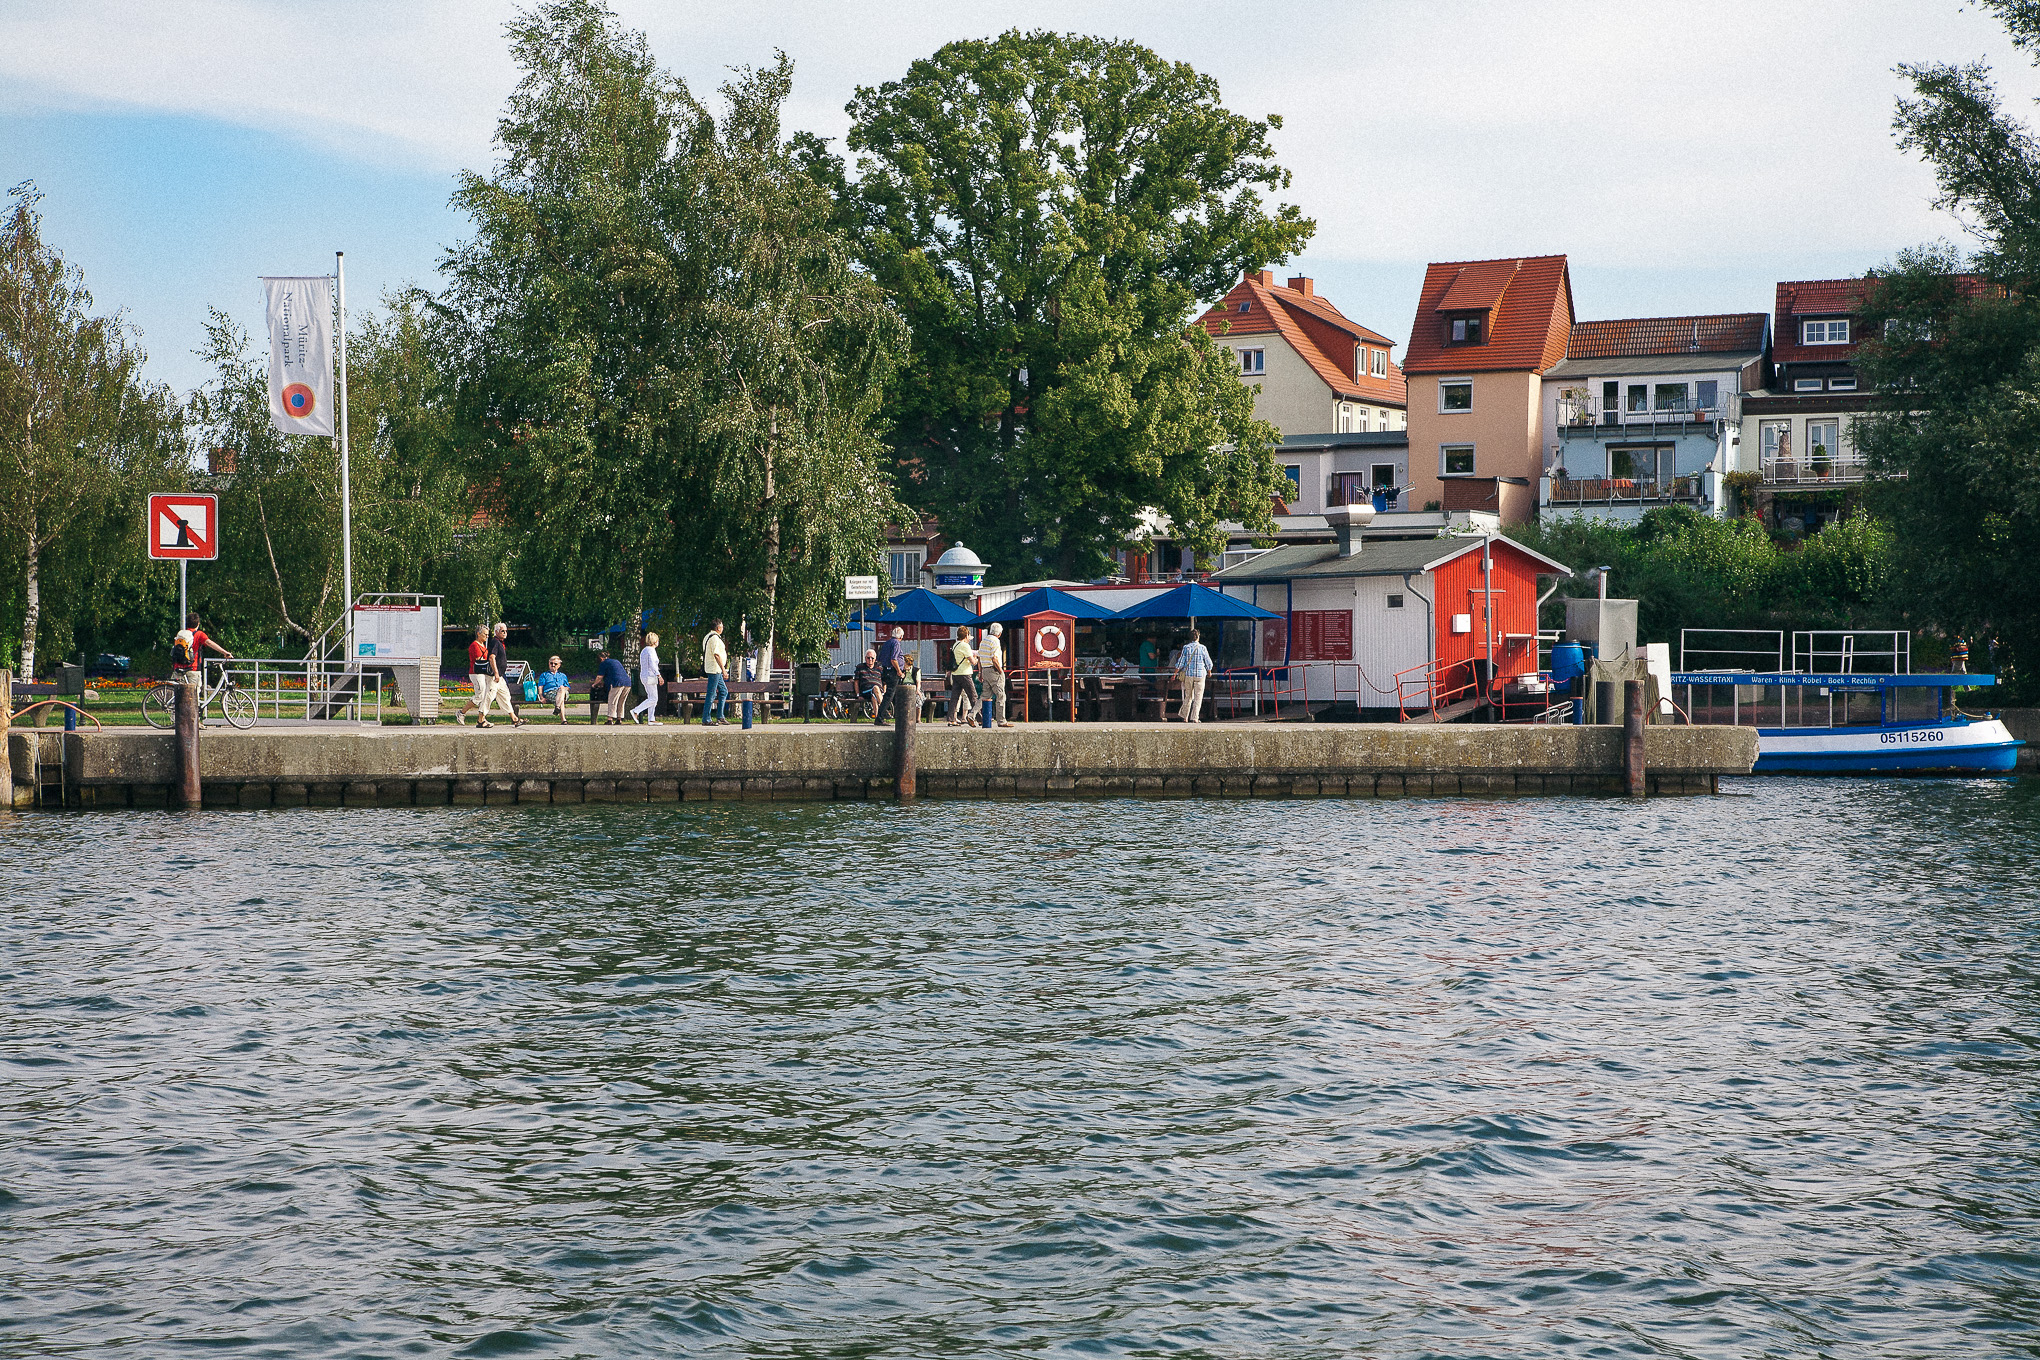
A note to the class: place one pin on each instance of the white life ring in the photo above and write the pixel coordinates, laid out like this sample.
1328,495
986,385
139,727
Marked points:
1042,648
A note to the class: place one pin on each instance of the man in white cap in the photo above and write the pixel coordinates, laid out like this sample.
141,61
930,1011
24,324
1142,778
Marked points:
992,671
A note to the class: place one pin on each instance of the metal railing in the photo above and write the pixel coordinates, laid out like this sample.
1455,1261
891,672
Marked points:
1853,651
1585,416
1797,471
310,691
1611,490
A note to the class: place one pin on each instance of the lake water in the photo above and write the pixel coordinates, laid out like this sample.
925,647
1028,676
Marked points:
1756,1075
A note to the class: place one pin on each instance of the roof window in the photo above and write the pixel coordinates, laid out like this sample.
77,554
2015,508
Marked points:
1246,306
1465,330
1834,332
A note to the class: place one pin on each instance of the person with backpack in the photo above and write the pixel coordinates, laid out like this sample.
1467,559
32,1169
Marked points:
187,652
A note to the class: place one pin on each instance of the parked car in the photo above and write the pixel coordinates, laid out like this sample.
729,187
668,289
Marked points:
108,664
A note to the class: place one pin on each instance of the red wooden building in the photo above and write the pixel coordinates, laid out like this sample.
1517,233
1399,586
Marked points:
1400,612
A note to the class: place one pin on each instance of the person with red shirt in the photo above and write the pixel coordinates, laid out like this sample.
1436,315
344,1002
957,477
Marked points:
478,679
191,669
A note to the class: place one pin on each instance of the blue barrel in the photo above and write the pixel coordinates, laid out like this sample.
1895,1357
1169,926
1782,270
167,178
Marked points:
1568,662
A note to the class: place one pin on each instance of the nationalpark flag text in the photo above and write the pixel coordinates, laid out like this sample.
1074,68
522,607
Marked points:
301,354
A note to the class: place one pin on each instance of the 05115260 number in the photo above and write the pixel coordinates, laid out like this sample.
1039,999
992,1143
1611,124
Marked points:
1917,734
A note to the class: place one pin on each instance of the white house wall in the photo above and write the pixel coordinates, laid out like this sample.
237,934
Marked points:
1385,641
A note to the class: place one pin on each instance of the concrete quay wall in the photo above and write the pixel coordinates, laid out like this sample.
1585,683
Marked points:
2024,723
436,766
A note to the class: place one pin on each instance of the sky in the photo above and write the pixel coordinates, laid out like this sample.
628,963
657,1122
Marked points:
1685,157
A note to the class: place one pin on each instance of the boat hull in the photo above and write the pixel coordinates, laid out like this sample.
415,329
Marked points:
1958,748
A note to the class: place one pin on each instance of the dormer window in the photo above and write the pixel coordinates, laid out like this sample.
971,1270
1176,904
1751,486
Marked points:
1381,363
1834,332
1464,330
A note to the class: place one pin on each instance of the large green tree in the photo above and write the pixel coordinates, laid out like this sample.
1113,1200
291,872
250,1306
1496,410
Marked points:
1046,209
1956,446
666,365
82,439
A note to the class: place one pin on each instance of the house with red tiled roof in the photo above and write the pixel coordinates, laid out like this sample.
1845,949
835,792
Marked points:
1796,434
1485,333
1645,411
1313,370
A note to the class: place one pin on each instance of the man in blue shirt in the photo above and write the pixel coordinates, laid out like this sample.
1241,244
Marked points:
552,687
617,679
1193,664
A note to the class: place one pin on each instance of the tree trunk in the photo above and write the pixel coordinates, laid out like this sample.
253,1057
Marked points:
32,619
634,631
771,557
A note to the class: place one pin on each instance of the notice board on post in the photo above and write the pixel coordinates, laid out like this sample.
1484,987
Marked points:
397,632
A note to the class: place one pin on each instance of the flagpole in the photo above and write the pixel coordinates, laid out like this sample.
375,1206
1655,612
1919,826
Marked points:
346,491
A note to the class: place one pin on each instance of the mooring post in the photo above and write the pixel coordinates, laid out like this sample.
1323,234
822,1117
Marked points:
906,717
1632,738
187,745
6,751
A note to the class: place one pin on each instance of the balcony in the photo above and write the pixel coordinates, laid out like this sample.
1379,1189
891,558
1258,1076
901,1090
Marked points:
1697,489
1583,418
1785,470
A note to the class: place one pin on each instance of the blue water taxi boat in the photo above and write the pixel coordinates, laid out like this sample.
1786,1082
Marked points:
1846,723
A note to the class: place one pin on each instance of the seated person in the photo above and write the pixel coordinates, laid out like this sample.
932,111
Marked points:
870,683
552,687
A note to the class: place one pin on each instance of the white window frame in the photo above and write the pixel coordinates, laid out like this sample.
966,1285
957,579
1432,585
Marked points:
1832,448
1841,384
1806,384
1445,452
1827,332
1381,363
1253,362
915,558
1445,410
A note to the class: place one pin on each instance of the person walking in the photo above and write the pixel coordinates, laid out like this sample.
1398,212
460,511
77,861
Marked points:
715,664
962,681
478,679
552,687
1193,664
616,683
892,670
499,674
648,676
991,661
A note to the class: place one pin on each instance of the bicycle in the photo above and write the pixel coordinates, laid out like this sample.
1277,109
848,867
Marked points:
237,705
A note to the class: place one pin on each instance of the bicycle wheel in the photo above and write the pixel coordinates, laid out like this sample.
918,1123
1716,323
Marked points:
239,706
160,707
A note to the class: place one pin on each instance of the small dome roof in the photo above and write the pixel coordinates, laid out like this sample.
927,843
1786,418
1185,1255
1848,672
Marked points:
959,556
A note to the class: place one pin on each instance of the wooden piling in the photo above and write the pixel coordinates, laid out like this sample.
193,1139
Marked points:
6,756
906,717
188,713
1632,738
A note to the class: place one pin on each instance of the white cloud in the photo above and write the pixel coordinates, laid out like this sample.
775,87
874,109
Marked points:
1635,136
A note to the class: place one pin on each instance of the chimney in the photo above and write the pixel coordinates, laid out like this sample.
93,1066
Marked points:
1347,521
1302,285
1264,277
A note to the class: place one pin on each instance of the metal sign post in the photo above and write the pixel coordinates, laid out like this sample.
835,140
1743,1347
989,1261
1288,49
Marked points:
346,491
183,527
860,588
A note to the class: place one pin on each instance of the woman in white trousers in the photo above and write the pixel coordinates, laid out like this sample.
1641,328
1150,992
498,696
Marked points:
648,676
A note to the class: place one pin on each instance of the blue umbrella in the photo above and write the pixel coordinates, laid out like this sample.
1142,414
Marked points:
1047,600
1194,601
921,605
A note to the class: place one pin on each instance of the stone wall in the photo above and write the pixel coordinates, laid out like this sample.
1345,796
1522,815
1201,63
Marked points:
441,765
2024,723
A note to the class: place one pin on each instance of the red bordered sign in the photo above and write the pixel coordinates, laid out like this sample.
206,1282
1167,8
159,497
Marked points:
184,525
1051,642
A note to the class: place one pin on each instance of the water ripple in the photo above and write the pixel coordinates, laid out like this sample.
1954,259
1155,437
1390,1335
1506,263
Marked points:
1750,1076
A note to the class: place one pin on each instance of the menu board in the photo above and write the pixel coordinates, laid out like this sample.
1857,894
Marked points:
1321,635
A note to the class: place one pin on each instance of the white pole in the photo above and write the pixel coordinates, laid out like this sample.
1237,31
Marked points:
346,490
183,606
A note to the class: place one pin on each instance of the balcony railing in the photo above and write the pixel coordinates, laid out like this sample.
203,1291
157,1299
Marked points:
1584,417
1625,490
1795,471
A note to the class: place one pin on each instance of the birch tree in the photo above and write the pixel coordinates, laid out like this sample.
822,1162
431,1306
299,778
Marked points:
75,415
666,367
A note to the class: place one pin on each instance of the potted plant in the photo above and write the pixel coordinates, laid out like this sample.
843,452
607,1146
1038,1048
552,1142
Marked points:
1817,460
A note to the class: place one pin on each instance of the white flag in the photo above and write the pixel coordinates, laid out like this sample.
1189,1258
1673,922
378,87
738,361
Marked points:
301,354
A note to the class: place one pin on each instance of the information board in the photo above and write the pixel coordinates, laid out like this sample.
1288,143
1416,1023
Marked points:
396,632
